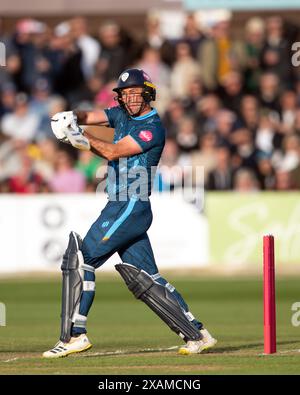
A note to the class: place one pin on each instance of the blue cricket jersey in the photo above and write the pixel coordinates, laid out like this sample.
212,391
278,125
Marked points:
133,176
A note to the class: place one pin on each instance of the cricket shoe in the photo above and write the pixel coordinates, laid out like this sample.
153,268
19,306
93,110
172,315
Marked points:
197,346
76,344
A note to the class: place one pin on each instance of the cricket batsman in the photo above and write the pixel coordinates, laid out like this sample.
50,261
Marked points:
137,145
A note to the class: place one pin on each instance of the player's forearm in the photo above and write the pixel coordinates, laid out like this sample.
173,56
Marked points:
96,118
91,117
108,151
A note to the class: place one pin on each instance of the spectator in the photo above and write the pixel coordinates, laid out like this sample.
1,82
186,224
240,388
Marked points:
45,163
87,95
9,73
8,98
205,158
221,178
170,172
224,126
11,152
249,113
266,173
245,181
105,97
32,41
21,124
288,108
246,151
276,52
116,54
56,104
186,137
208,108
269,92
220,54
66,179
88,164
194,95
254,42
89,47
288,158
39,105
69,77
40,98
232,91
155,39
265,134
174,114
193,35
185,70
26,180
284,181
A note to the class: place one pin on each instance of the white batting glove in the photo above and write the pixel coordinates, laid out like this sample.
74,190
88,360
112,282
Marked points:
65,128
61,122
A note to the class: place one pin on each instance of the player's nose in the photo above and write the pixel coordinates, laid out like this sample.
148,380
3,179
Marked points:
131,99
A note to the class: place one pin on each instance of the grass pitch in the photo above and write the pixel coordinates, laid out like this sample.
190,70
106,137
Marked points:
128,338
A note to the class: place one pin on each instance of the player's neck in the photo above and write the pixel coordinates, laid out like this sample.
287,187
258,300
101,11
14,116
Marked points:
145,111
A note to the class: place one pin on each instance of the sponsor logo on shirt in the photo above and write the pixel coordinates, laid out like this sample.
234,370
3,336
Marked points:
145,135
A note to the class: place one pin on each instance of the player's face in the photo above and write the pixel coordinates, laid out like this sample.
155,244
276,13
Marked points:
132,98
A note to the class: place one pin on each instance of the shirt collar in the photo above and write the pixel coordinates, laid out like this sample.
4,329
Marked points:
149,114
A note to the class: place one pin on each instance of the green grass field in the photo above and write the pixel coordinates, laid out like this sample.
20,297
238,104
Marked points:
230,308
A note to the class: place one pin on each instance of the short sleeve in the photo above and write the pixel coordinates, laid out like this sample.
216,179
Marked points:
112,114
147,137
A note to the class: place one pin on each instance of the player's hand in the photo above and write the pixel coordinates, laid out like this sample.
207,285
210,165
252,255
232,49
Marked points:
77,139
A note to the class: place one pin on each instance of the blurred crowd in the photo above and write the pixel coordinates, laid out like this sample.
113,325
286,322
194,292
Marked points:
230,102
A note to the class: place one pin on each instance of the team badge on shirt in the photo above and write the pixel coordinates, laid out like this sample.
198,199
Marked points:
145,135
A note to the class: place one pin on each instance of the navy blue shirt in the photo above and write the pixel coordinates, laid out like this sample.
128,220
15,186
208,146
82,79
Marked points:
133,176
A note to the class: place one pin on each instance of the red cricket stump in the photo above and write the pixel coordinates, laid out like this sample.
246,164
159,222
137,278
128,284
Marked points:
269,296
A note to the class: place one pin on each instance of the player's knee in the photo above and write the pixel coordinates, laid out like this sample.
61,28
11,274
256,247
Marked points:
88,253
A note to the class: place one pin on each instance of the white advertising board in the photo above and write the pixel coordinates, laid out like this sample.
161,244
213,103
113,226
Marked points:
34,230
